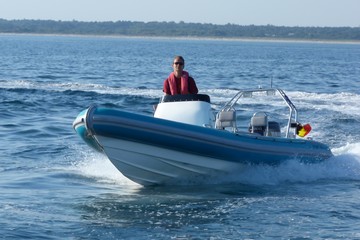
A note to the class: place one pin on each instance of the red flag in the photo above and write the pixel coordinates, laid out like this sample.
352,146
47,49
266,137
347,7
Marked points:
302,131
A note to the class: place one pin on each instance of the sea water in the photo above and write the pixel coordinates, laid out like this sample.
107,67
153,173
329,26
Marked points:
52,186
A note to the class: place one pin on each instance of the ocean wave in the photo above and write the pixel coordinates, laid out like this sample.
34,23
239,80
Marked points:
216,93
81,87
344,102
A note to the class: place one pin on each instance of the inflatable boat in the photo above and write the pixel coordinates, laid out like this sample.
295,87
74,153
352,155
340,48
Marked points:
186,140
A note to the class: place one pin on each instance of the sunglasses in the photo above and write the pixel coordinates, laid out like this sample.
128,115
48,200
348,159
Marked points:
179,63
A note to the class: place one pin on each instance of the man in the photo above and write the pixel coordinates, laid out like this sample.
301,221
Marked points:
179,81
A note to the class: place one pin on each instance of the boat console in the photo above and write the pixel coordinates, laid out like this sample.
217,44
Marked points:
192,109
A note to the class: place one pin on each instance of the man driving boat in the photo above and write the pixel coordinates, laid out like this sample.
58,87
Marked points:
179,81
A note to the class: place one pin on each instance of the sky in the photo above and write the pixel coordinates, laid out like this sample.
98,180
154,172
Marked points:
310,13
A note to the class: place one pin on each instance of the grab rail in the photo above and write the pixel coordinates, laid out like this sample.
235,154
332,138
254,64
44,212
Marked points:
293,115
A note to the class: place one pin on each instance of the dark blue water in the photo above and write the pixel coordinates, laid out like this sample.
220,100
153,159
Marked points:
54,187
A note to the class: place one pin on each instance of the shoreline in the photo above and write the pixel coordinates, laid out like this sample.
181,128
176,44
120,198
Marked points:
245,39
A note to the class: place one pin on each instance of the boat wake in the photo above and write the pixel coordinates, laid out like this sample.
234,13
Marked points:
345,165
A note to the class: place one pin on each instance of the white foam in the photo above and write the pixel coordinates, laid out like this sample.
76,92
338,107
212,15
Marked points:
345,103
97,166
350,148
85,87
344,165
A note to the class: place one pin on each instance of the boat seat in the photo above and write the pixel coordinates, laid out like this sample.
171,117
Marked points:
259,123
225,119
273,129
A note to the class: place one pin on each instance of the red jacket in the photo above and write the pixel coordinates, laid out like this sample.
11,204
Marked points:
183,85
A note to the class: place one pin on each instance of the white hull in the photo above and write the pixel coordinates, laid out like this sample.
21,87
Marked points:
149,165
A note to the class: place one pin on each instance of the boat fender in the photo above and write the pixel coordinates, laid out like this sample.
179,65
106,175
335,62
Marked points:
88,119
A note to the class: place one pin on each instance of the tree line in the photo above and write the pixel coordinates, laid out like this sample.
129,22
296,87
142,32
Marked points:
180,29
